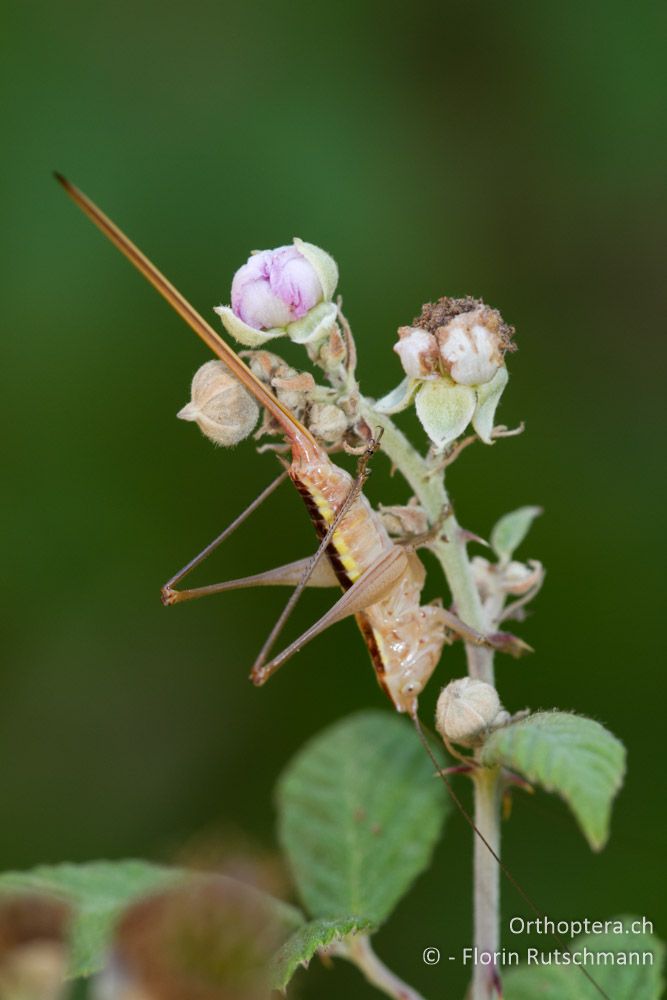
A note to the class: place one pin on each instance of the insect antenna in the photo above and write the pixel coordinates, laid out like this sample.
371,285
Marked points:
503,867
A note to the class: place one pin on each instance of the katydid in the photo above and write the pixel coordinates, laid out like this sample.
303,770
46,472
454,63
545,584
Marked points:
381,579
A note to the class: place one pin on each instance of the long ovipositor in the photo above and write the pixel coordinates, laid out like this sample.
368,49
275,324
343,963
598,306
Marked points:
404,639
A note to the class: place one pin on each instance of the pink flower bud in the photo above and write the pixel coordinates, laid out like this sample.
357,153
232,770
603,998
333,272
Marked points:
274,288
418,351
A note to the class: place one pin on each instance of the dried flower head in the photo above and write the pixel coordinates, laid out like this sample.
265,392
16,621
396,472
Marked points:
462,338
224,411
453,357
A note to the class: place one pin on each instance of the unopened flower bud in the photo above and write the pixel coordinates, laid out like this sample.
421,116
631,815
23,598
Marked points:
327,422
466,710
263,364
223,409
418,351
274,288
292,387
291,286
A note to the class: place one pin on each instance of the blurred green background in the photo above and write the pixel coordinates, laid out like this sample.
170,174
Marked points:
514,151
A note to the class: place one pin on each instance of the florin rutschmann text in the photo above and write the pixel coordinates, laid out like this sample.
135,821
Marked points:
533,956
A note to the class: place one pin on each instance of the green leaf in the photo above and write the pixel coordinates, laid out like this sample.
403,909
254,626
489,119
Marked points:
359,815
509,532
98,892
620,982
568,754
302,945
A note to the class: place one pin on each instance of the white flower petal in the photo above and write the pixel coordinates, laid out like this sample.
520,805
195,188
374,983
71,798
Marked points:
245,334
324,265
315,325
488,397
418,351
470,351
444,410
399,398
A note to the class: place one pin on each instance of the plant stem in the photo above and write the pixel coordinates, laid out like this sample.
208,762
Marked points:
487,880
358,950
451,552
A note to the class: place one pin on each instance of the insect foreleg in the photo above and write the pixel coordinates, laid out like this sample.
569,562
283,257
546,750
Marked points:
169,594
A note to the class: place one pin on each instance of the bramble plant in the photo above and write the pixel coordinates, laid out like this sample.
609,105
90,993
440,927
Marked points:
359,811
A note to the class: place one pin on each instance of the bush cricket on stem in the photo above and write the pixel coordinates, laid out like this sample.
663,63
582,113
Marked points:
381,580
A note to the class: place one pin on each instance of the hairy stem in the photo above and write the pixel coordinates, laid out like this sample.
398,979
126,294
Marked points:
485,980
358,950
451,552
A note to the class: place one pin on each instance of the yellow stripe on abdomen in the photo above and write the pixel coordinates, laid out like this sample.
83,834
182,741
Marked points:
324,509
